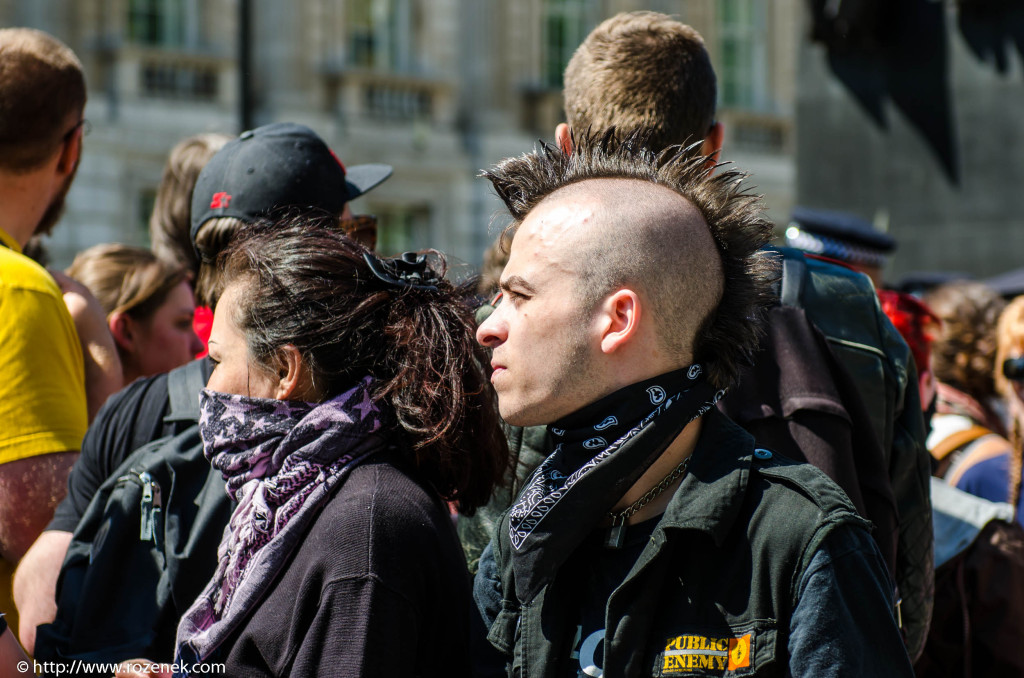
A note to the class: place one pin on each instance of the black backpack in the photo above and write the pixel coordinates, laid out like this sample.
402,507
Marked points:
835,384
145,547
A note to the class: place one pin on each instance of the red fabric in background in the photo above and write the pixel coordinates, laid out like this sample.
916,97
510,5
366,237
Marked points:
202,323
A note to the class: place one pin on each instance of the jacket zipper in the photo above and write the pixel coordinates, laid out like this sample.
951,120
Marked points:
150,506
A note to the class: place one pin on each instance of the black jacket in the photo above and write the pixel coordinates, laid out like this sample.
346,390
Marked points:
378,587
718,581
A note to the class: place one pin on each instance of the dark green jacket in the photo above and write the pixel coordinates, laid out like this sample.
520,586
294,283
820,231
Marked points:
844,307
721,571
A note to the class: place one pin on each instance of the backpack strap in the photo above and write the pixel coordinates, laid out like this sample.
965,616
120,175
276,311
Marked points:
956,440
980,450
183,386
793,267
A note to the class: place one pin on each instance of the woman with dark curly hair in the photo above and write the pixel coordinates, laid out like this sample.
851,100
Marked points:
347,406
966,426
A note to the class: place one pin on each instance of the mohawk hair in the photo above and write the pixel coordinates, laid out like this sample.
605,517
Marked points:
728,336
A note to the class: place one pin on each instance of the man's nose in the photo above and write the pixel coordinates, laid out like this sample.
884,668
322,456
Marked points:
492,331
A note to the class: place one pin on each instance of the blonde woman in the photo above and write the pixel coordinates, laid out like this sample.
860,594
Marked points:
149,306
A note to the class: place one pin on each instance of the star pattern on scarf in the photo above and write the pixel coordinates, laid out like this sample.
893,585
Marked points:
366,407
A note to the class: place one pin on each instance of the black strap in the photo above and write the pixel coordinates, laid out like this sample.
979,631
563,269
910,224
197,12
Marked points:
183,386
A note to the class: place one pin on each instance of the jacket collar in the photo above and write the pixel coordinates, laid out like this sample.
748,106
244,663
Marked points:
712,492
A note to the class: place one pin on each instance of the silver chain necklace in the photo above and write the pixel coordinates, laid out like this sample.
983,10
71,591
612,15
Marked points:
617,532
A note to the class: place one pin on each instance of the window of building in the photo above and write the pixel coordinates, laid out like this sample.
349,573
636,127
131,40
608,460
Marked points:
163,23
565,24
742,65
173,79
381,35
403,229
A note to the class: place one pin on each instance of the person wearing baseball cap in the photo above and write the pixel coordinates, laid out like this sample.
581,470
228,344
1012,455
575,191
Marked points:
283,166
279,167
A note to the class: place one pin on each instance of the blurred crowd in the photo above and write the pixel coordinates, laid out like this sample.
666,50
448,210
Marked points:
644,441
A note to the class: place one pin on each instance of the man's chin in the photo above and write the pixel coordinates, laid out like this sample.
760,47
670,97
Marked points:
523,416
518,418
50,218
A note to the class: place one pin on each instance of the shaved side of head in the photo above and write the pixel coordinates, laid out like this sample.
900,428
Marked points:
687,238
653,240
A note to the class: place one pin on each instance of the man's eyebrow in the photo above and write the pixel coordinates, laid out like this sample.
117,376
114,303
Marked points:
517,281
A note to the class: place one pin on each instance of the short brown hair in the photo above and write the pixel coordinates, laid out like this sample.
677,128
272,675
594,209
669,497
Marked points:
169,224
730,333
41,86
642,70
126,279
964,350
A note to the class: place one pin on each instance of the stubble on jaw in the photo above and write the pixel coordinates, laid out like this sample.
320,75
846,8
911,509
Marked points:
55,210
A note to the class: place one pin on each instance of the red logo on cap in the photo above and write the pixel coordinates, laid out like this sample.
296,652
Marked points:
338,160
220,200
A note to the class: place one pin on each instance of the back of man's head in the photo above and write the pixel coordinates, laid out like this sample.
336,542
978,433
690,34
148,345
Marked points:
642,70
42,93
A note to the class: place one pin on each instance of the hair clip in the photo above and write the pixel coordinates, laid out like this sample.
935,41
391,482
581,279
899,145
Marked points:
408,270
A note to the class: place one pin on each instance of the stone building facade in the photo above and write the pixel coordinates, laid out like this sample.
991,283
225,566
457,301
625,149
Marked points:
437,88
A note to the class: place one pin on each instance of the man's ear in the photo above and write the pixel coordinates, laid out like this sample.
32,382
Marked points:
70,152
620,319
563,137
712,145
293,378
123,329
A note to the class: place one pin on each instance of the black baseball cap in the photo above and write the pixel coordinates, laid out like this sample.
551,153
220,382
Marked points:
280,165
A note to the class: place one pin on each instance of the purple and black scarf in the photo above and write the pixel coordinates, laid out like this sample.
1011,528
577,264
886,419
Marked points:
281,460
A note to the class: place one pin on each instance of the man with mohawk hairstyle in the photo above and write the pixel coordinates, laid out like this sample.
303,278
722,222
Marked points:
657,539
826,334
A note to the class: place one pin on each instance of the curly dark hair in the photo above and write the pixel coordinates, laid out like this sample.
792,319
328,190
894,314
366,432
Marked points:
729,334
964,350
310,286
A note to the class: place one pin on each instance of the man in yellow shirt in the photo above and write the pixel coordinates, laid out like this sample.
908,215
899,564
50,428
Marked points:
43,412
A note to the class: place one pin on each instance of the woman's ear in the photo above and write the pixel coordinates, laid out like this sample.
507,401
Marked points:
294,380
123,329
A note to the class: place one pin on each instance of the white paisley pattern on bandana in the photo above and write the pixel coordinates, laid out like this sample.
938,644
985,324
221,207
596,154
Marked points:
556,476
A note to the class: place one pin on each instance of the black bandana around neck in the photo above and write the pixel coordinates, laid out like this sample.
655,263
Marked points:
600,451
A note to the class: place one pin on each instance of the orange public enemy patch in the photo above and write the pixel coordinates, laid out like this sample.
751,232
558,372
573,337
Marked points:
689,652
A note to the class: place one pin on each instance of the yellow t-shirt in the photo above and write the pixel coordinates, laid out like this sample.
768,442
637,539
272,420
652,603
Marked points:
42,373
